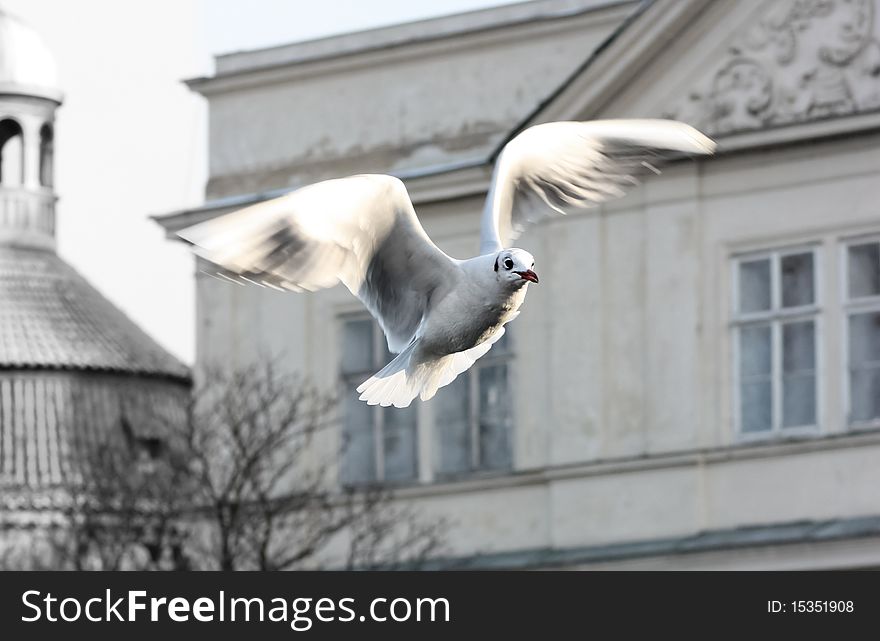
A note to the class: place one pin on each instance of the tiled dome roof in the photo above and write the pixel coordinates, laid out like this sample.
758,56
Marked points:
52,318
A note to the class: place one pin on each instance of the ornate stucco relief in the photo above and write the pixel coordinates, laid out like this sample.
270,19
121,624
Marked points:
802,60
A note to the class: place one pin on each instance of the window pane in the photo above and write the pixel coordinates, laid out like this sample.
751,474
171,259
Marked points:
357,346
797,280
755,350
359,454
864,365
798,400
756,407
452,427
864,270
798,374
798,347
865,394
399,440
495,418
754,285
864,338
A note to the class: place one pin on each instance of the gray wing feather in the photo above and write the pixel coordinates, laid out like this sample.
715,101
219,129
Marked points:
360,230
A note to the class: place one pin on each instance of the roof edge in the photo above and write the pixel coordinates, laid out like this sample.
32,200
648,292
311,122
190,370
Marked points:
32,91
120,345
535,113
430,30
87,369
617,60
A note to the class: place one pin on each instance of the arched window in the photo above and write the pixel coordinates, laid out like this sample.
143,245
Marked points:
47,154
11,153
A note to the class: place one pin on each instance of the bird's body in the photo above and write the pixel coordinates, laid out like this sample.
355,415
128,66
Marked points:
449,341
439,314
490,304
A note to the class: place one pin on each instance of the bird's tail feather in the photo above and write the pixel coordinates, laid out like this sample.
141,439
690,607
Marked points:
399,382
391,385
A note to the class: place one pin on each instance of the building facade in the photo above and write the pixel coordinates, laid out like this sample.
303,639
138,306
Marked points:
695,383
75,372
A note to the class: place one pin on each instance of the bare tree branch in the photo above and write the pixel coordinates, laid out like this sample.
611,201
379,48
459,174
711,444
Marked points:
240,486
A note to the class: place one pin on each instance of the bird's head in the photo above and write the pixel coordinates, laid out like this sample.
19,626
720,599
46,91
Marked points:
515,267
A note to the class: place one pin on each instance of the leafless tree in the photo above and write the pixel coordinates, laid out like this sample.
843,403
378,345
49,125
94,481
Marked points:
125,514
123,509
246,483
267,493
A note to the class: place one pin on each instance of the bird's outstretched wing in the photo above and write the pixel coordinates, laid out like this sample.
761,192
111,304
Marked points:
554,167
360,230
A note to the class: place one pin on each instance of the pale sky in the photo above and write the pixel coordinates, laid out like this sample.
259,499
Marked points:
130,137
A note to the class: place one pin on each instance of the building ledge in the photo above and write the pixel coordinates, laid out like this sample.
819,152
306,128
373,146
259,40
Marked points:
799,445
740,538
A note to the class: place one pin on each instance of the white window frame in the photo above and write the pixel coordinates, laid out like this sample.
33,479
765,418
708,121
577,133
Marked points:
848,308
378,411
776,317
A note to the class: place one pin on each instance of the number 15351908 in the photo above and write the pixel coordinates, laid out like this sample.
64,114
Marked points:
809,606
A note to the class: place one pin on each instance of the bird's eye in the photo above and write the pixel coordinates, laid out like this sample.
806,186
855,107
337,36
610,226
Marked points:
508,264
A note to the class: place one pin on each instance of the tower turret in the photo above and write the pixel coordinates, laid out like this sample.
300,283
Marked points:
28,99
75,371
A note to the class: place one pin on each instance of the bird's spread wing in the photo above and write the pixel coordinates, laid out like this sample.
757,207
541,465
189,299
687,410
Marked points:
558,166
360,230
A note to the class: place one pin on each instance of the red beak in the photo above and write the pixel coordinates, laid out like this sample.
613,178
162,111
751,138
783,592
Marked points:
528,275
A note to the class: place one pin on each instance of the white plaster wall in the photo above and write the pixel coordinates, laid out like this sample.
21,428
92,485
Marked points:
593,505
429,103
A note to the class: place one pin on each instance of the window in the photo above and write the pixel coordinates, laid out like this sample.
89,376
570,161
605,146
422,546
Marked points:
472,416
379,443
862,310
11,153
146,450
775,326
47,153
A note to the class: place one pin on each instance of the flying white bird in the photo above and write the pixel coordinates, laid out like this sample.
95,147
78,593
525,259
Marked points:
439,314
